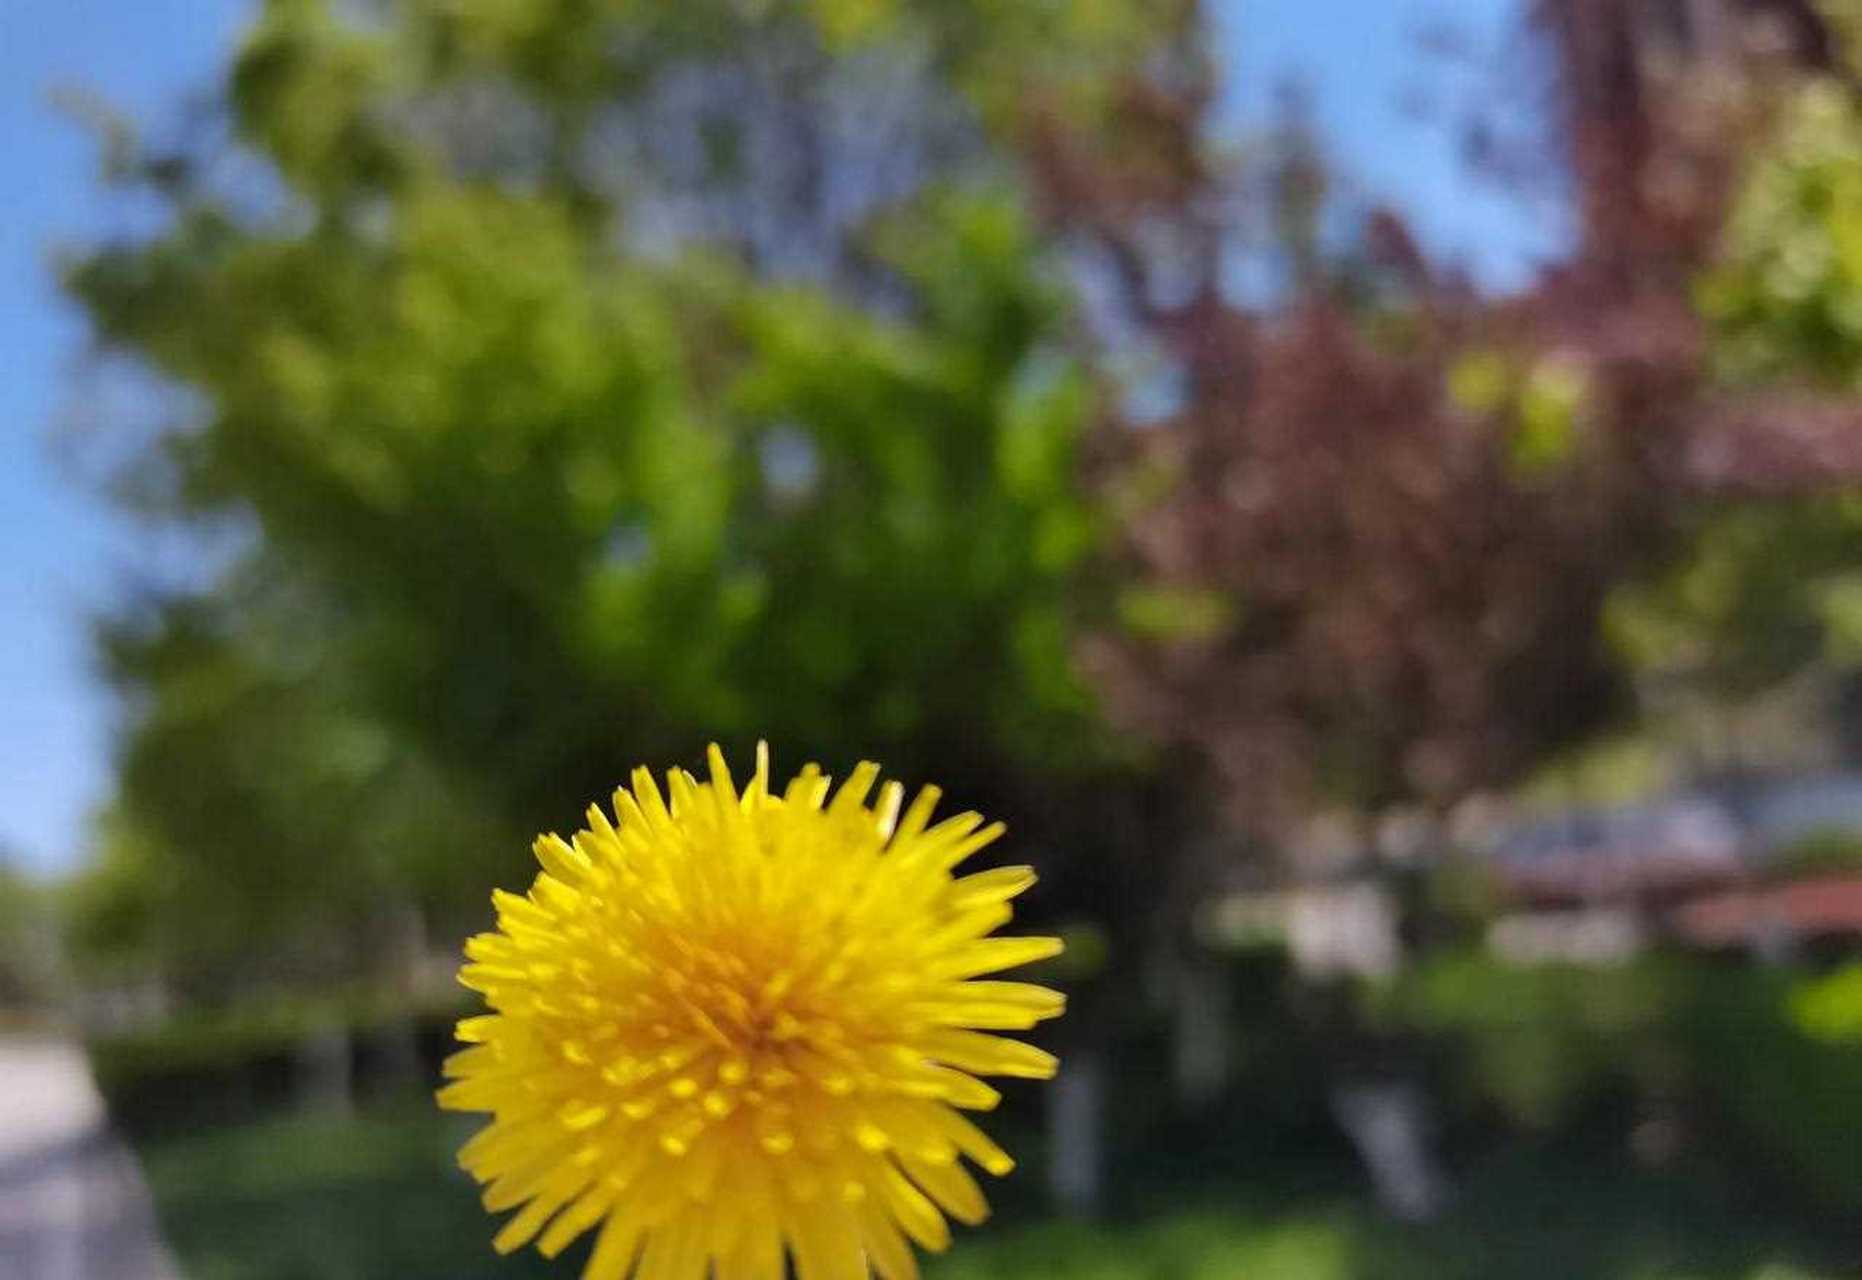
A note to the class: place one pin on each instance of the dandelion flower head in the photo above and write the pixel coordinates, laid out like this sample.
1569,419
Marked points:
731,1027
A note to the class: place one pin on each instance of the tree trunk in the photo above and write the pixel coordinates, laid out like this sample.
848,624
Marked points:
1076,1133
325,1070
1200,1042
1386,1121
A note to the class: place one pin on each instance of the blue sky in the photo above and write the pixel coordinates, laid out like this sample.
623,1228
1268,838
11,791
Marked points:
1367,68
64,554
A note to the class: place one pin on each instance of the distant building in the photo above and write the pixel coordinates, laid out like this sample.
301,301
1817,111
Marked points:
1648,853
1701,870
1776,919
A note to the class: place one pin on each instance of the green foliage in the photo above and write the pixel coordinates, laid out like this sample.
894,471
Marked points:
1782,1079
1175,613
217,1046
1608,772
1196,1246
1761,1059
1829,1008
1481,381
1540,1041
530,494
1764,590
28,979
1825,851
265,825
1786,300
1540,405
1551,405
122,914
1769,587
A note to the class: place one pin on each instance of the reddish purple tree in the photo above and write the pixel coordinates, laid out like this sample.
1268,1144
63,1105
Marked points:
1379,528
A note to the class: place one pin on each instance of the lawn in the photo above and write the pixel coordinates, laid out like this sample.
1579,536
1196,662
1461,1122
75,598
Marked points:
376,1197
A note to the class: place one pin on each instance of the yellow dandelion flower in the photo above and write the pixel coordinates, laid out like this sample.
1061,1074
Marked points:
731,1025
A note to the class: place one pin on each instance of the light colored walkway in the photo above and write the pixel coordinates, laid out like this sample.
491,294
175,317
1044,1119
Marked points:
72,1201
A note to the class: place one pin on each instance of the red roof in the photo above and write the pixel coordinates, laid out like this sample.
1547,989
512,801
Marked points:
1828,904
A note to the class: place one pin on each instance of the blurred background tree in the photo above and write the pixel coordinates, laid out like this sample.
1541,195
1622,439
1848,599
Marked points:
1385,517
30,979
1768,588
584,381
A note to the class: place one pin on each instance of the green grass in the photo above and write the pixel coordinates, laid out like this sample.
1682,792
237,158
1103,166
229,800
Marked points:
326,1198
1517,1223
377,1197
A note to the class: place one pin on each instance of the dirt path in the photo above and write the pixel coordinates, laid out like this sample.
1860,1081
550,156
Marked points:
72,1201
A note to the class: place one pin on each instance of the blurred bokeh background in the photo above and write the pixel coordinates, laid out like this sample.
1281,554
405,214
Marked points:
1370,492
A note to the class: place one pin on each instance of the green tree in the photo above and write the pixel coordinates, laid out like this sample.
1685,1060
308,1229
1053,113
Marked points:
28,975
1770,583
588,388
